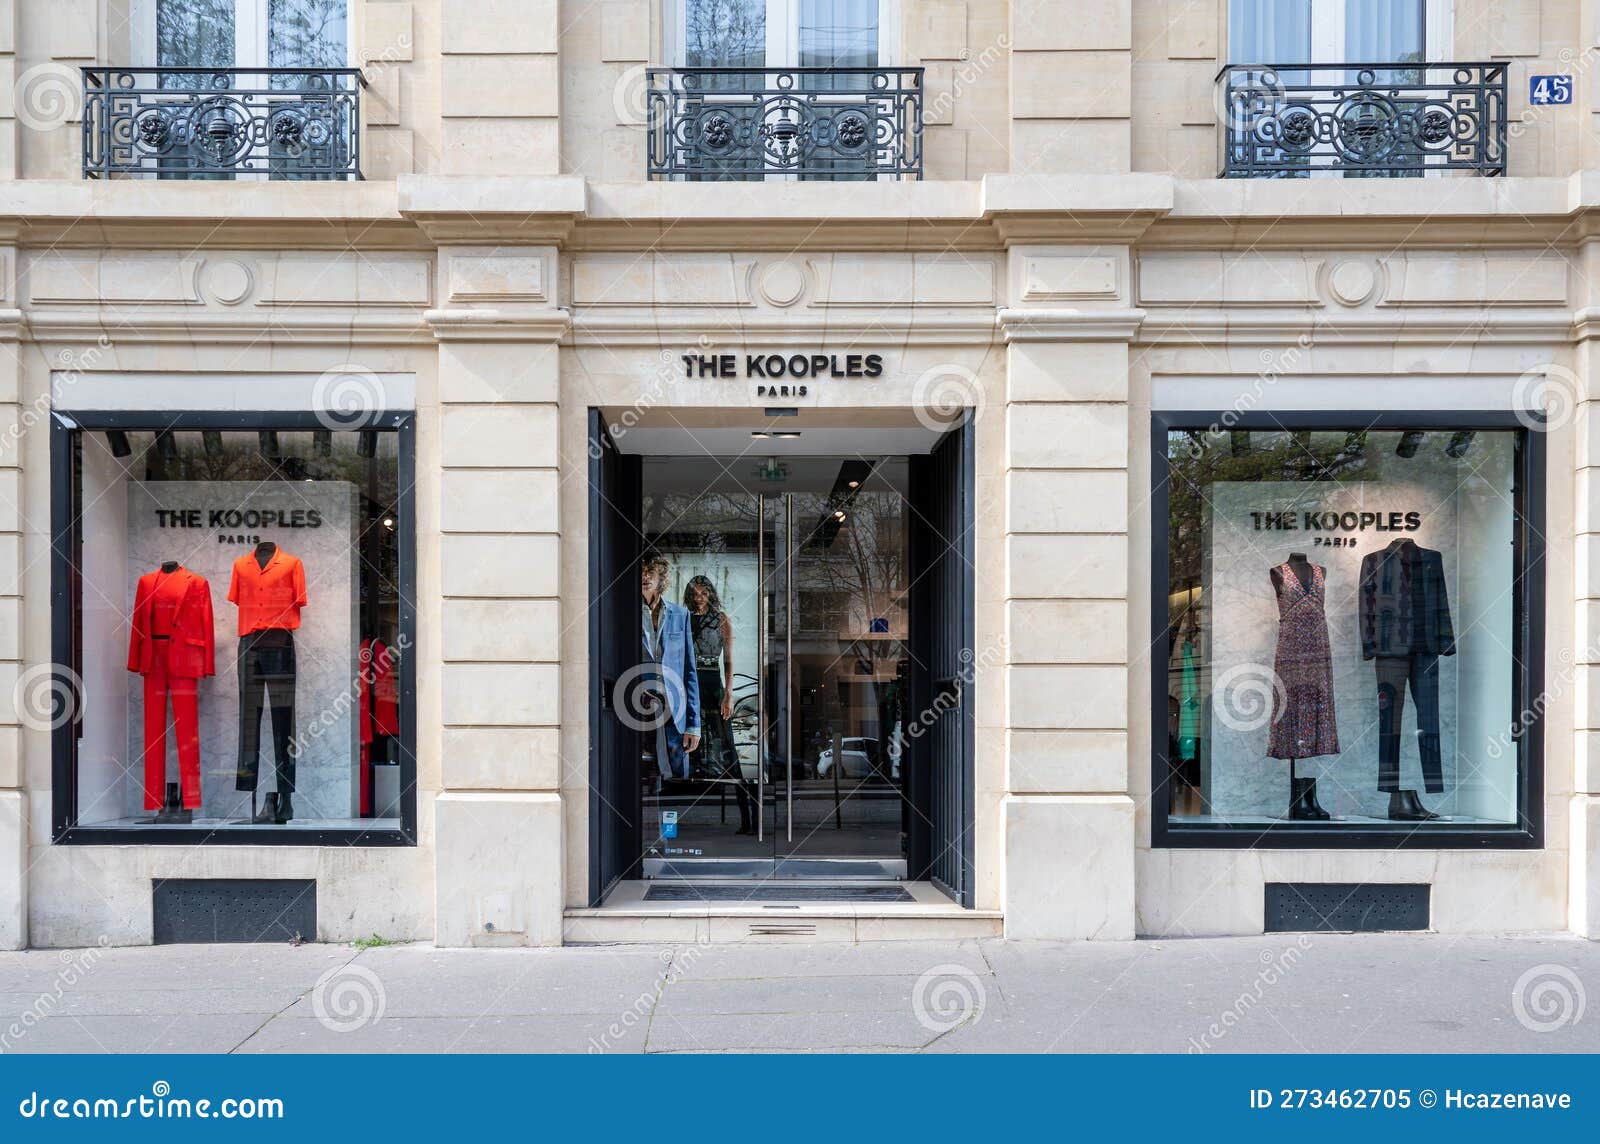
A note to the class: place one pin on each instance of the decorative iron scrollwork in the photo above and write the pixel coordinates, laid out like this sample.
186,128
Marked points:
1369,119
830,123
288,123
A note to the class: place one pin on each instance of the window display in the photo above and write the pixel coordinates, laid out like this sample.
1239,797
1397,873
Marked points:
273,715
1346,611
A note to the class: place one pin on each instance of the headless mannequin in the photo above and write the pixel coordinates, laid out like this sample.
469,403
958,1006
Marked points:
1404,805
174,811
1303,804
265,551
275,812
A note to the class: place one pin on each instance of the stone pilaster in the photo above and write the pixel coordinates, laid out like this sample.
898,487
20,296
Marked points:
498,816
1584,883
1069,819
13,796
1071,86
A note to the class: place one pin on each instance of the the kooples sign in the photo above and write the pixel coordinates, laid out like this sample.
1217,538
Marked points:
238,518
1336,522
781,375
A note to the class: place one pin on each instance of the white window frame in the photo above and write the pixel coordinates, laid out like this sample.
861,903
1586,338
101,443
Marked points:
783,33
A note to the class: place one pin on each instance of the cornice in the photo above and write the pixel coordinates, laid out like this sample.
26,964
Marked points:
1064,325
651,327
491,325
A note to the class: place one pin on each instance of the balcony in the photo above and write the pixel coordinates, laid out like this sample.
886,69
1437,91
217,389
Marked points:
1362,120
735,124
222,123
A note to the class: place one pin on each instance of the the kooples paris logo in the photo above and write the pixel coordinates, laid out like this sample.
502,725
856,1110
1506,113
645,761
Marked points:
1330,521
770,370
233,518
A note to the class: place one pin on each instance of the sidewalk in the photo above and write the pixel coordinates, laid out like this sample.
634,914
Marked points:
1283,993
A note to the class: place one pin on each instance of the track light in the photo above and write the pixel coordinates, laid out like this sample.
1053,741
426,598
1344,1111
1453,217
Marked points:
1410,442
268,444
167,447
211,442
322,443
1460,441
368,445
118,440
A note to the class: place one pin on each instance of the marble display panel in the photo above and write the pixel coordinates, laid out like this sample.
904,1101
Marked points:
1460,514
325,643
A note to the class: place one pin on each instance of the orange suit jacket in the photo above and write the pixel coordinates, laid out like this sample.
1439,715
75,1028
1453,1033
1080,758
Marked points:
190,648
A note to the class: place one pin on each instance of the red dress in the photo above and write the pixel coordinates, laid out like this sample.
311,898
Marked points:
1302,694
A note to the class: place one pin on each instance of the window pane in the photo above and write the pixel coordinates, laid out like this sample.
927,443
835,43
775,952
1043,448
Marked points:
725,33
238,611
1269,31
1342,608
308,34
194,33
839,33
1383,31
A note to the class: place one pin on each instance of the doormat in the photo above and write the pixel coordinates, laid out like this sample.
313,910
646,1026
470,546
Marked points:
766,892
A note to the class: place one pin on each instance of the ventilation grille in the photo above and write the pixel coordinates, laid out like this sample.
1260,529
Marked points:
214,910
769,892
783,929
1346,907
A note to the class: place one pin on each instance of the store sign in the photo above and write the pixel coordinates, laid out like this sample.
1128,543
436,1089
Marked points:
1317,520
779,374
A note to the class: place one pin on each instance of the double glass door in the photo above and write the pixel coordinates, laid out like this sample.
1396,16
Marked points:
793,578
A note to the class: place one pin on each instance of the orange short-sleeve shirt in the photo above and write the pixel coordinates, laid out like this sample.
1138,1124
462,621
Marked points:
269,597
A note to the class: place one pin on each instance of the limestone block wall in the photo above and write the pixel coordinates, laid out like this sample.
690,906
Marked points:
500,851
1068,819
500,87
1071,86
13,786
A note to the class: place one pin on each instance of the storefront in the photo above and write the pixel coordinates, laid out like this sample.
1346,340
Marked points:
505,584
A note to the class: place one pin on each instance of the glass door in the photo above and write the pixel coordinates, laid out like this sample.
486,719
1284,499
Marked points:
778,753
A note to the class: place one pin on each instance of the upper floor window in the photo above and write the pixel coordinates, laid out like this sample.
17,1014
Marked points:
222,88
784,89
1359,88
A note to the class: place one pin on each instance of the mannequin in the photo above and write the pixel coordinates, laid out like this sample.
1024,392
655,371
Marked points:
171,645
269,588
1303,724
1405,629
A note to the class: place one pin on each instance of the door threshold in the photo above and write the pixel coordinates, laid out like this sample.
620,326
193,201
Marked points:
818,869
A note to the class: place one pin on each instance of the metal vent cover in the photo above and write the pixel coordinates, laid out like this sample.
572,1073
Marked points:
1347,907
783,929
763,892
233,910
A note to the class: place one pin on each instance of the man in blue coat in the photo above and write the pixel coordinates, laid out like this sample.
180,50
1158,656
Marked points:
669,650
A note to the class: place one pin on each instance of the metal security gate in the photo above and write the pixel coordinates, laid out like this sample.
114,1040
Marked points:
940,726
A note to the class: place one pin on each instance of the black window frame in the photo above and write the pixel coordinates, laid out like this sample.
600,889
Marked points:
65,541
1528,651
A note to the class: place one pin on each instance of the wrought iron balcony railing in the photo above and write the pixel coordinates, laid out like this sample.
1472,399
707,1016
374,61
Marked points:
219,123
728,124
1372,120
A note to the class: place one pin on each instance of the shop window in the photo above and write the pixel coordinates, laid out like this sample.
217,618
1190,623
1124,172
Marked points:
1348,631
232,629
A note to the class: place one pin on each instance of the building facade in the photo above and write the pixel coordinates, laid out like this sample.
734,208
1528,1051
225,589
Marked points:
1091,471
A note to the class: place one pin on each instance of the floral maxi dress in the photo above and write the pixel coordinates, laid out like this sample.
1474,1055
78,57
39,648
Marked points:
1302,697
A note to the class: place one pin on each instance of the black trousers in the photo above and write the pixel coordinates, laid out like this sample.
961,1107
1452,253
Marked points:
717,756
1421,673
266,681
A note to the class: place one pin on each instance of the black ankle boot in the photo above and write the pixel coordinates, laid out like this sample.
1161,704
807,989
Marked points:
1303,805
285,809
1404,807
268,814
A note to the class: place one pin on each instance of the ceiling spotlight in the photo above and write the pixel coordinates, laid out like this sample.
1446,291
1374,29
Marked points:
1410,441
760,434
855,484
1460,441
211,442
839,515
322,442
118,440
167,446
388,522
367,446
267,444
787,434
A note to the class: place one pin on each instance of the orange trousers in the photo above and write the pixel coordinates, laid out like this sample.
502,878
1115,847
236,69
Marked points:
184,693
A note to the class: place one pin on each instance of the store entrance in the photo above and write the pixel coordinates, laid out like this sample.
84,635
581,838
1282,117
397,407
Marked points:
769,659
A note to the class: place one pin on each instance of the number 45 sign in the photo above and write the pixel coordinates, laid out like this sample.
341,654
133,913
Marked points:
1549,89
